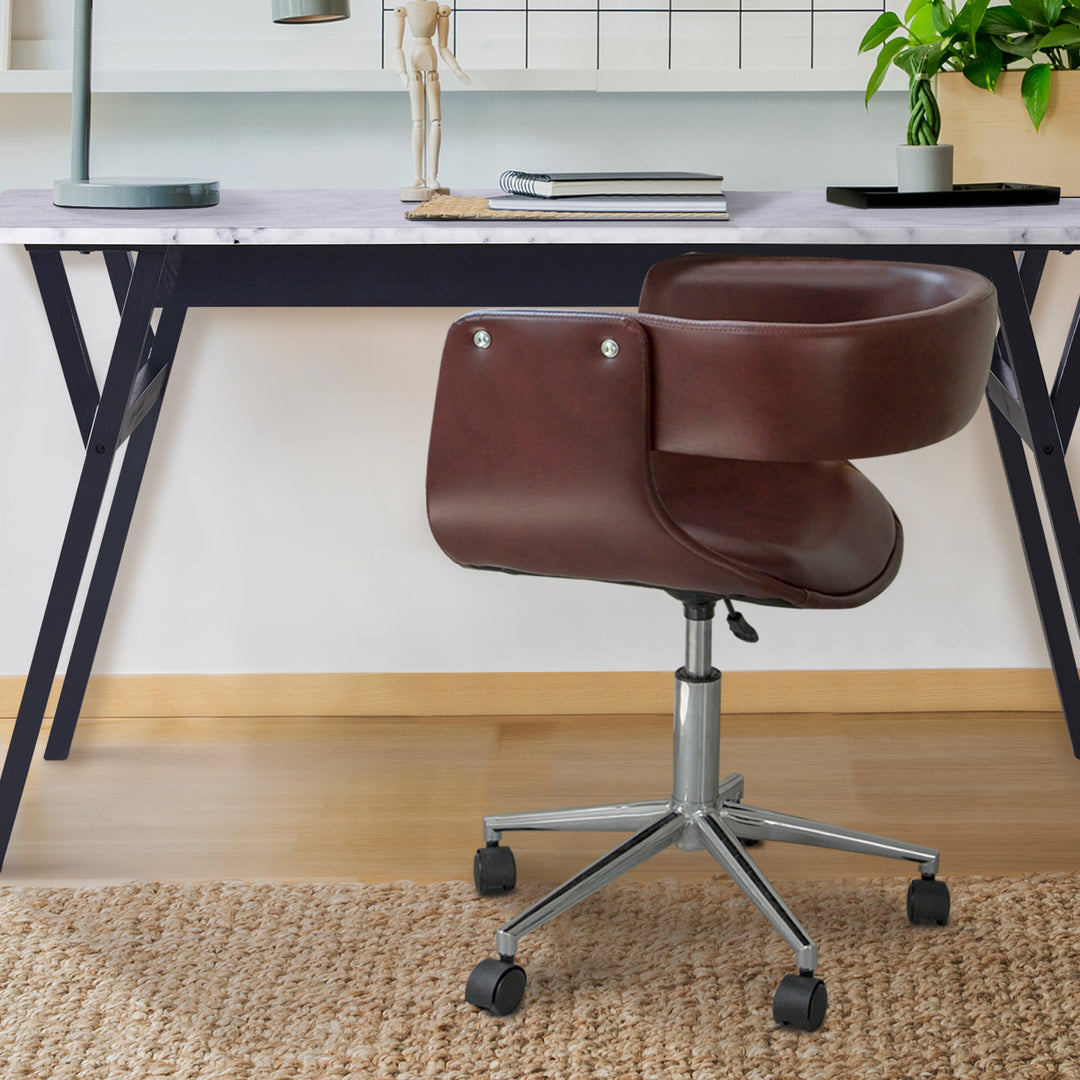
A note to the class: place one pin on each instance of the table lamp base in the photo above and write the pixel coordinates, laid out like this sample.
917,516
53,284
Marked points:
136,193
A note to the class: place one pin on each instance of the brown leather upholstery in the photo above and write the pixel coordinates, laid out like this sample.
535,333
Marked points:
873,358
709,454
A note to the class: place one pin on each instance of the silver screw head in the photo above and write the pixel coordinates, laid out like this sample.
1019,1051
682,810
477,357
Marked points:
610,348
481,339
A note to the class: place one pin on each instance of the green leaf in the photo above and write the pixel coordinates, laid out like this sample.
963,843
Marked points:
914,6
1042,13
969,20
885,58
1004,20
978,9
1035,90
941,16
881,30
1025,46
922,24
1031,10
1061,36
984,69
1070,15
922,59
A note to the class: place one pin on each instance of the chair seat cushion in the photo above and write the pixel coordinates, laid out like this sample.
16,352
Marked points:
818,526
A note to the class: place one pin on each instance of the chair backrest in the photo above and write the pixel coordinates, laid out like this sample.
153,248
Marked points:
798,359
540,445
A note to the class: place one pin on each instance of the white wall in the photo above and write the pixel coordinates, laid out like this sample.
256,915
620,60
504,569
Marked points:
283,527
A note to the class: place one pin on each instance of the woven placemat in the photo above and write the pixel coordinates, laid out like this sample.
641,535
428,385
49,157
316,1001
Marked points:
654,980
475,208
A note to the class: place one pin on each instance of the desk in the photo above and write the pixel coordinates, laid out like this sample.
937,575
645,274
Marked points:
350,248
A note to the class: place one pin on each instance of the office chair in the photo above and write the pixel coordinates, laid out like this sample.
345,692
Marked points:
700,447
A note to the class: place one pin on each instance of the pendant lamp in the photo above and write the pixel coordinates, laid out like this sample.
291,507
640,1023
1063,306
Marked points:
305,11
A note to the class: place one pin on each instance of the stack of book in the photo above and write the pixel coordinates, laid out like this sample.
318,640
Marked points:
614,193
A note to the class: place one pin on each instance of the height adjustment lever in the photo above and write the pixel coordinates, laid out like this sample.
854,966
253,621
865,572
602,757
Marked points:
738,625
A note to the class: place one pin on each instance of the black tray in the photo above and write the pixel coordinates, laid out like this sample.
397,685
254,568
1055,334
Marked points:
869,198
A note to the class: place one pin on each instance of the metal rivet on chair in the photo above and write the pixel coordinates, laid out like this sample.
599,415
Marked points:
610,348
481,339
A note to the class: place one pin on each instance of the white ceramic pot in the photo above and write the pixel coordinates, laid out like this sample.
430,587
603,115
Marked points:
924,168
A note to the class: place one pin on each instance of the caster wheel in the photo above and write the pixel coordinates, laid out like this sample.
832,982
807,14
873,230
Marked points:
928,902
497,986
494,870
800,1002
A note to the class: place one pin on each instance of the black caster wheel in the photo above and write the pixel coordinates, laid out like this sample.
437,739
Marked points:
800,1002
494,870
497,986
928,902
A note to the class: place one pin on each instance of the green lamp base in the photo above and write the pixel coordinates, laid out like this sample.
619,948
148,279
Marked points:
136,193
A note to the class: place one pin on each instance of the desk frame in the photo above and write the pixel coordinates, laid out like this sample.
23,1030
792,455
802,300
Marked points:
177,277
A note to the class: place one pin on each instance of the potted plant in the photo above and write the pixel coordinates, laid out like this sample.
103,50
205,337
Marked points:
1026,50
1024,30
1029,129
921,44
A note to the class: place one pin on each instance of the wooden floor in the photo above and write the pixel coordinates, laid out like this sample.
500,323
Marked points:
393,799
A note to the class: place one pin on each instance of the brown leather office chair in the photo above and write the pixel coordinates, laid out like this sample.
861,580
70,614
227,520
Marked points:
700,447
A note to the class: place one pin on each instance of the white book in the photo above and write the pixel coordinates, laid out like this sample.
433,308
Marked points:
549,185
615,204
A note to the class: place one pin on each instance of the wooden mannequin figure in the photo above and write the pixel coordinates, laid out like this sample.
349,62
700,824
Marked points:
421,76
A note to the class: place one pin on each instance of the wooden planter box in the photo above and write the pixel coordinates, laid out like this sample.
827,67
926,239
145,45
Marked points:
993,137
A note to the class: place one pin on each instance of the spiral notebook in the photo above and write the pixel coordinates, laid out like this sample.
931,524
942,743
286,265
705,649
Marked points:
560,185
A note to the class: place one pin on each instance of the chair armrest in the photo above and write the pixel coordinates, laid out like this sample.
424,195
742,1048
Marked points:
804,359
819,391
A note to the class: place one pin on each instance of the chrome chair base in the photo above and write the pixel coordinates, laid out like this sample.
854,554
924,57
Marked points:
703,813
718,827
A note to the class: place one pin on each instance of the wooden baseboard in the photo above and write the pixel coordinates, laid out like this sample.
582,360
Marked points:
552,693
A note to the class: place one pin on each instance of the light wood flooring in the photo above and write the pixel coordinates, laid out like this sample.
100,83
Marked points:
394,799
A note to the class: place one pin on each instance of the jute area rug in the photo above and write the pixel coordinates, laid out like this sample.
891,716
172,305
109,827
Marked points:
644,980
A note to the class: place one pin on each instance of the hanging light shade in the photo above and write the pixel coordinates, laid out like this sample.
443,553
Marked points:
303,11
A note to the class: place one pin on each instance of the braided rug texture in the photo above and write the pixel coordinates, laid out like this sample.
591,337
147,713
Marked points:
664,980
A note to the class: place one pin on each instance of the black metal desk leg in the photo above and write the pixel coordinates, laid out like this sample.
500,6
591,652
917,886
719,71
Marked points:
1066,392
152,282
1040,568
152,380
113,539
120,267
1021,353
1030,266
67,335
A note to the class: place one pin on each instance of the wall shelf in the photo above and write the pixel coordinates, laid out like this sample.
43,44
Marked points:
508,47
26,81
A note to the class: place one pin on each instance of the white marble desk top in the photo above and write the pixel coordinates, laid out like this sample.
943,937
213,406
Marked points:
317,217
